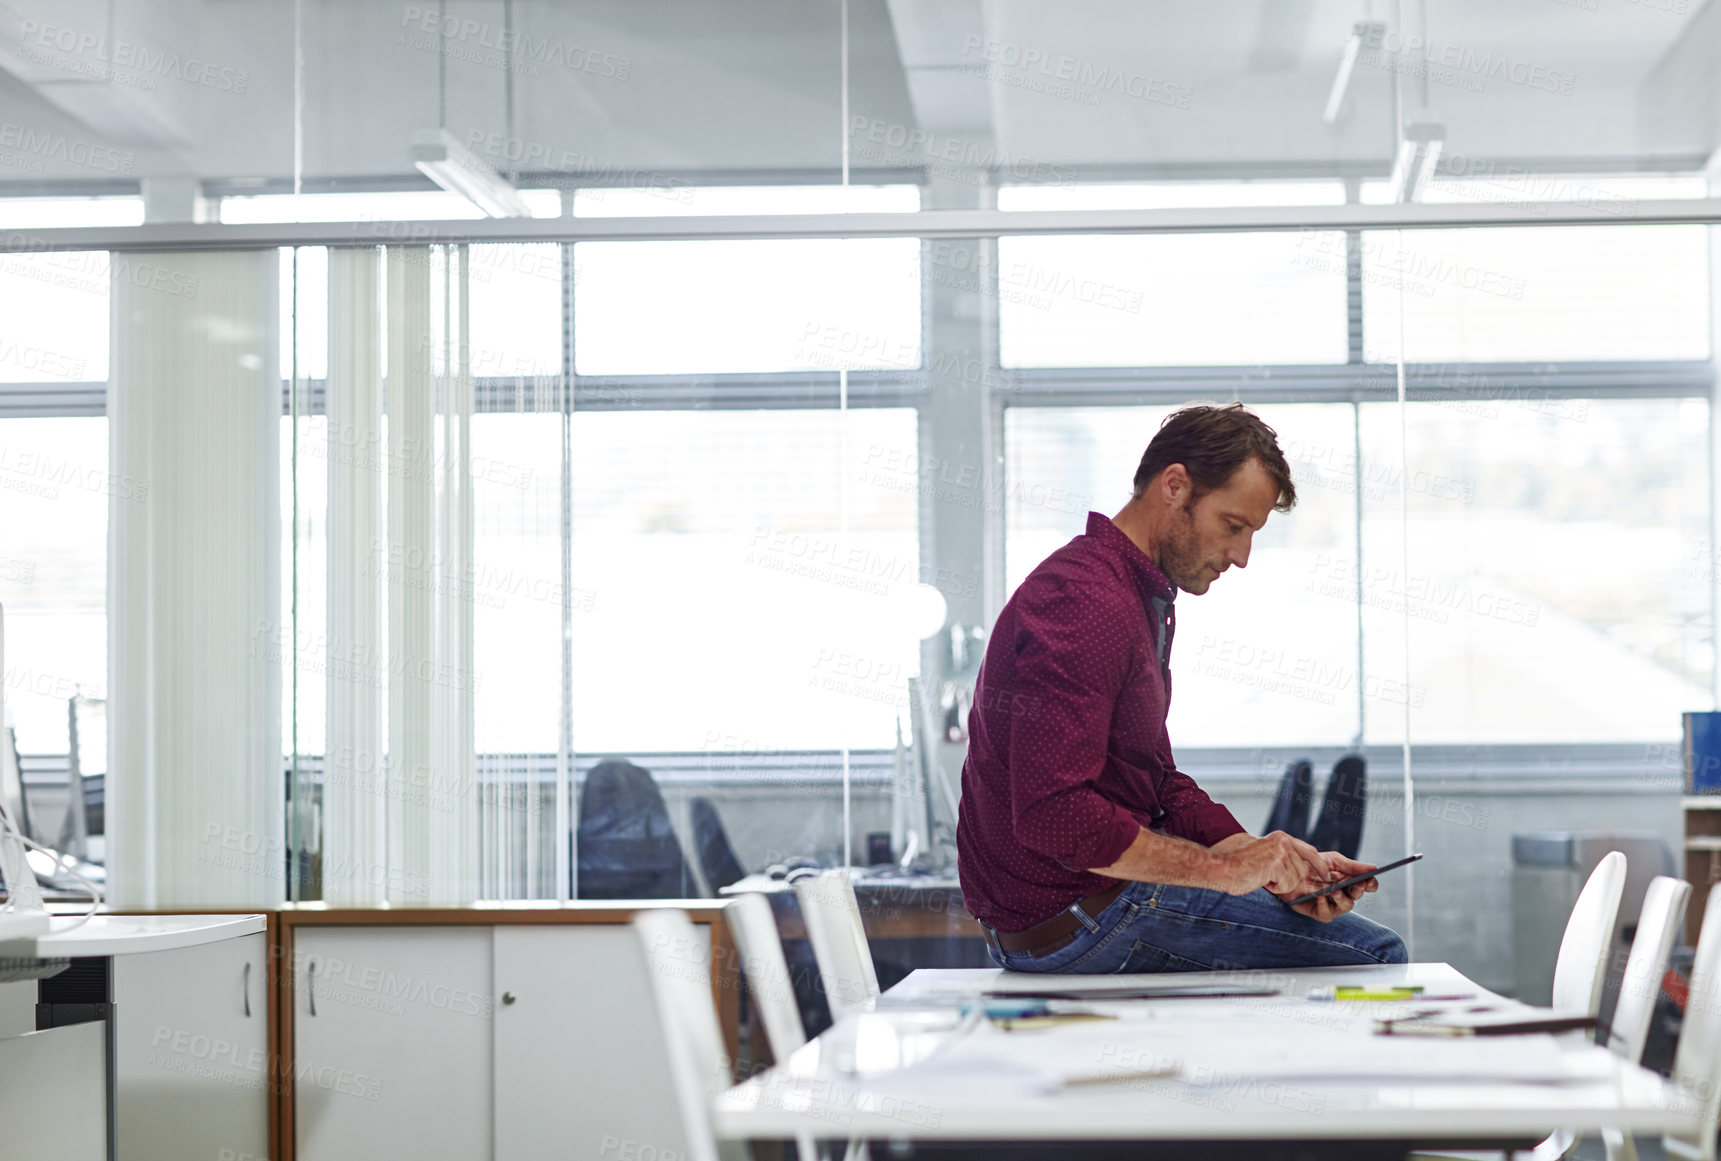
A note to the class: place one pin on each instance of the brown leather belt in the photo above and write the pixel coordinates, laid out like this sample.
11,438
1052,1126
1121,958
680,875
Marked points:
1043,938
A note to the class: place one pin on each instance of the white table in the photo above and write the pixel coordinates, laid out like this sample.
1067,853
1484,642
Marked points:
851,1083
106,935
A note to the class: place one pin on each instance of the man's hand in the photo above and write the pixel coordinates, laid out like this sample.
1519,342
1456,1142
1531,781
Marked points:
1277,862
1329,907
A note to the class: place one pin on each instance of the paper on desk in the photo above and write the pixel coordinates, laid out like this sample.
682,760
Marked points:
1121,1050
1031,1063
1532,1059
1207,1054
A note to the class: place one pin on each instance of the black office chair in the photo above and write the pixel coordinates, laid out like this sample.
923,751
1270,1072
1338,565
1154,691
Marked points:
1343,807
716,857
626,844
1291,806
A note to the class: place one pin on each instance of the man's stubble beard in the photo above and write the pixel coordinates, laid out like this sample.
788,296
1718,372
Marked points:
1180,558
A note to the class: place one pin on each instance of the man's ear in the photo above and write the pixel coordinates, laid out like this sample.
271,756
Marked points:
1174,482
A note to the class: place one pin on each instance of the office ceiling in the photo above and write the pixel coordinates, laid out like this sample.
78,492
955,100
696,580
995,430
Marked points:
631,90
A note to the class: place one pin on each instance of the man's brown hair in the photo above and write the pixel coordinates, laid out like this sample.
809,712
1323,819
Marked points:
1212,442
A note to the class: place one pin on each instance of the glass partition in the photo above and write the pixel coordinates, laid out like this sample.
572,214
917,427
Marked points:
697,543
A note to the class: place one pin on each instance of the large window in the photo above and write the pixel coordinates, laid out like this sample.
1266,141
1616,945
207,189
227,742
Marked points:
1269,655
724,307
55,486
1548,588
736,580
1545,551
1534,293
1200,300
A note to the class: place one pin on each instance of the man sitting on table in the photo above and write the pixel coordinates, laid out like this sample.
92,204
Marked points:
1082,847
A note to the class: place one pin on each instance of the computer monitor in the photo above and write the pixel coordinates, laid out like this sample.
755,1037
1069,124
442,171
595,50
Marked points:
21,884
11,781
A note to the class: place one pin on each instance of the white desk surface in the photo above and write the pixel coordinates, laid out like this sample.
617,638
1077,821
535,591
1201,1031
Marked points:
848,1082
131,934
759,883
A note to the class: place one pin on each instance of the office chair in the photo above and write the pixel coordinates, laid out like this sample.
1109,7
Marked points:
1290,811
1628,1034
1697,1063
1579,972
86,735
1344,804
679,979
627,845
754,925
755,929
834,928
716,857
1657,930
1580,969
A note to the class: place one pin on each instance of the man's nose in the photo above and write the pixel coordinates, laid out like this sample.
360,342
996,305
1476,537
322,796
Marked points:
1240,558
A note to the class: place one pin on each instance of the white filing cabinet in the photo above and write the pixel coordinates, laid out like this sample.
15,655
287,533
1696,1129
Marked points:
525,1042
191,1051
180,1007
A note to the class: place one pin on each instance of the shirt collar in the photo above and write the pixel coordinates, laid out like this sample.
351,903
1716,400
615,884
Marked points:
1148,579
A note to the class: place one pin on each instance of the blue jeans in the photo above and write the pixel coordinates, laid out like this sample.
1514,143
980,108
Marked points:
1151,927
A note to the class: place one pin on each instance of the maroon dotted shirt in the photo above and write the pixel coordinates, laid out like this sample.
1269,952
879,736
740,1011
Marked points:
1068,757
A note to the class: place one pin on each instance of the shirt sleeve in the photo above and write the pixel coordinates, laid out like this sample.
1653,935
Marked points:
1191,815
1073,658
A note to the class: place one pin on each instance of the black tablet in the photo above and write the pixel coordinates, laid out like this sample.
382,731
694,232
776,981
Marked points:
1352,881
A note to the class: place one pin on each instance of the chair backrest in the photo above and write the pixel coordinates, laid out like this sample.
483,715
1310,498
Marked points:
834,928
1582,964
1697,1062
678,973
755,928
716,857
1657,926
86,757
626,844
1290,811
1344,806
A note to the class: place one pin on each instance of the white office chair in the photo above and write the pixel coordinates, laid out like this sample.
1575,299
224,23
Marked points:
1579,972
1697,1063
773,991
1581,968
1657,927
834,928
678,973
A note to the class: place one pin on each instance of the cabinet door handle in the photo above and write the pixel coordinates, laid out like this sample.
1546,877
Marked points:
247,989
311,983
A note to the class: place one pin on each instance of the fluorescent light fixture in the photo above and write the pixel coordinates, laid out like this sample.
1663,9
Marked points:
1418,158
453,167
1368,32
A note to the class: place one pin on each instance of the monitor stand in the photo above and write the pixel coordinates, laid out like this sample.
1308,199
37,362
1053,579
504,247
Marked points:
26,917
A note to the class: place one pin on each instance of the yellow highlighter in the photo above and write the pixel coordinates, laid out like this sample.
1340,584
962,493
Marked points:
1353,992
